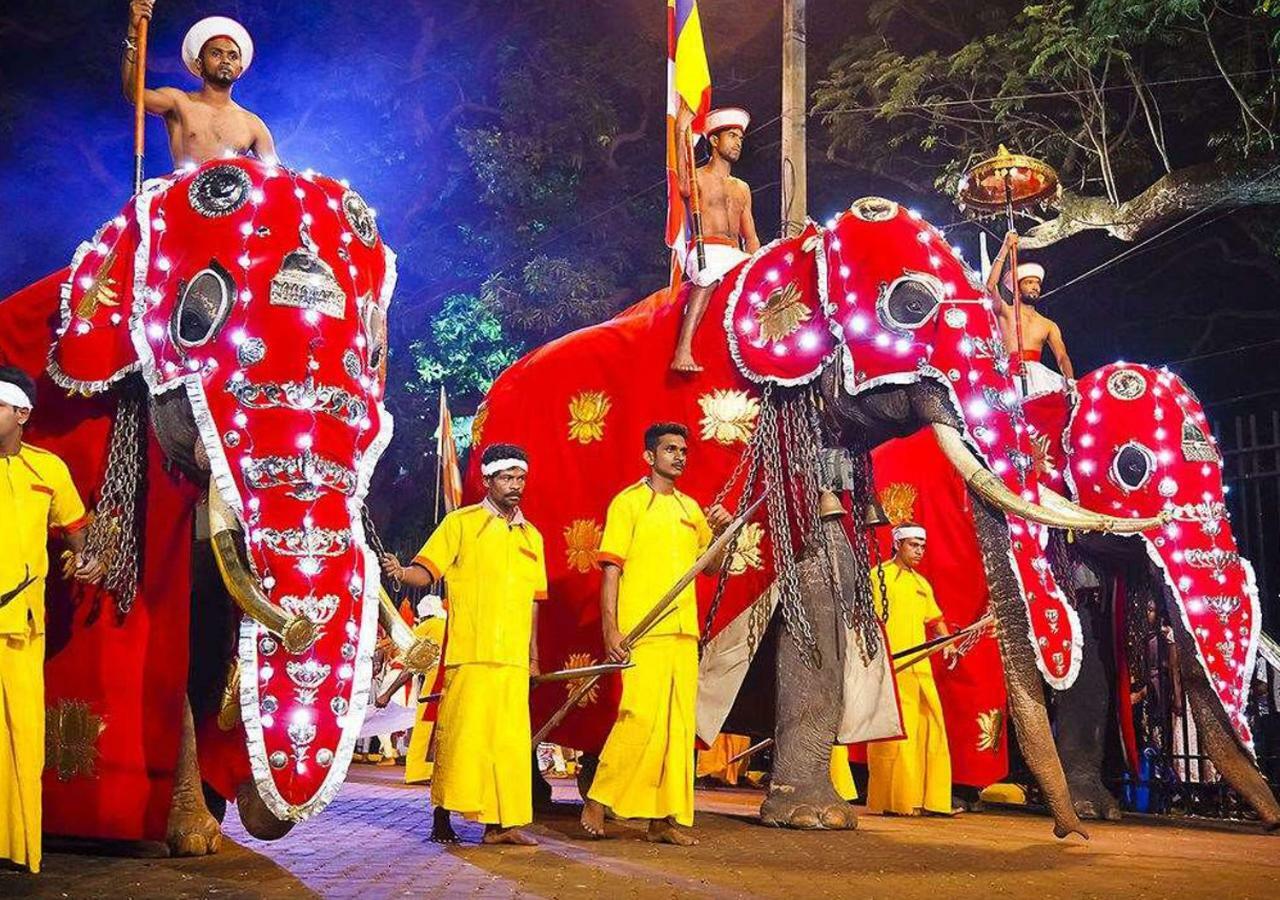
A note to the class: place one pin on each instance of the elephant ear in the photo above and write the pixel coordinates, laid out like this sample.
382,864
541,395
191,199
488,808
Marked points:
777,319
93,348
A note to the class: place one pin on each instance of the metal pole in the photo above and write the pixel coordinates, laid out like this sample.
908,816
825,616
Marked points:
795,198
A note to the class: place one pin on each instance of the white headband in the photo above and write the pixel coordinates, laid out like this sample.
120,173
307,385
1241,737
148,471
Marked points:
15,396
498,465
903,532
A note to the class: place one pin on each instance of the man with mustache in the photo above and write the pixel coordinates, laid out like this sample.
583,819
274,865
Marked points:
653,534
1037,329
492,560
728,228
206,123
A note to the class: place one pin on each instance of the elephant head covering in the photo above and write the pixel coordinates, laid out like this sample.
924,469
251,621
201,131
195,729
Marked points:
212,27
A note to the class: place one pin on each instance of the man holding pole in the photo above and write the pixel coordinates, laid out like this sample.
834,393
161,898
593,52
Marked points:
493,561
913,775
206,123
1036,328
653,535
724,229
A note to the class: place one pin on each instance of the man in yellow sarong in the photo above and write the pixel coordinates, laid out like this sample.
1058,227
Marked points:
36,496
492,560
653,534
913,775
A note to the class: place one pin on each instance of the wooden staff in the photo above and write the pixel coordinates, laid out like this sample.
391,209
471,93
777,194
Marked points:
750,751
657,612
1013,270
695,206
139,105
930,647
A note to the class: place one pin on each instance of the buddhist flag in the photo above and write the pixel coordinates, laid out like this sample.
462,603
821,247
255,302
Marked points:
449,478
688,82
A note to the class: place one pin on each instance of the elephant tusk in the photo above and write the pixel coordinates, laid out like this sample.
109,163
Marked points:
419,654
1052,500
297,632
1056,513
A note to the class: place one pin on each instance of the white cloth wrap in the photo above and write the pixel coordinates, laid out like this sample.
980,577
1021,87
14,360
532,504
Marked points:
15,396
903,532
501,465
1041,380
720,260
206,30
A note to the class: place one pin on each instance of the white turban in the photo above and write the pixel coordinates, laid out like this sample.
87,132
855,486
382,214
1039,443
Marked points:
903,532
206,30
726,117
15,396
1025,270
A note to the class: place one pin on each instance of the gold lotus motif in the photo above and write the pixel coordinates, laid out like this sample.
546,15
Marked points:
102,292
581,661
728,416
71,739
477,424
747,554
898,500
582,540
989,725
586,416
783,313
1042,453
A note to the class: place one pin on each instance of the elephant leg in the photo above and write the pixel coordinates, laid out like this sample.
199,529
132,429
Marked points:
809,706
192,830
1022,678
1217,738
255,817
1083,714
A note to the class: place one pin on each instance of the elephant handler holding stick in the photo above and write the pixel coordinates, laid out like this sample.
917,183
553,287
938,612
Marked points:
36,494
653,534
492,559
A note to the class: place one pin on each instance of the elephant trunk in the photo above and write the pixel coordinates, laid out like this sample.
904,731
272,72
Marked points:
1026,690
1218,738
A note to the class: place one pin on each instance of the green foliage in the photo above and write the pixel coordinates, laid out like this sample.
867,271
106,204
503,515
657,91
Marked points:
465,349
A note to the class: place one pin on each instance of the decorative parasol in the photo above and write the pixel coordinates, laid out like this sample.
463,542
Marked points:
1009,182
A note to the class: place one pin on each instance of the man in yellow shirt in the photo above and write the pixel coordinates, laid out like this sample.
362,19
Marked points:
492,560
36,496
653,534
913,775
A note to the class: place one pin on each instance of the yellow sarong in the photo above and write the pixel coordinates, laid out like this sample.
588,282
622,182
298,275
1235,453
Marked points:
417,770
646,766
841,776
913,773
21,746
482,751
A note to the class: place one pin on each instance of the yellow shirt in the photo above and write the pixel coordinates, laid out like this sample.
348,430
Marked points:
494,570
36,494
654,538
911,608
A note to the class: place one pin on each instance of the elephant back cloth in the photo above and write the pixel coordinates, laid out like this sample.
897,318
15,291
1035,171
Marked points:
252,299
579,406
114,686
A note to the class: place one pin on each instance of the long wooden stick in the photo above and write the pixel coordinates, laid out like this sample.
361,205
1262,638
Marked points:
139,103
657,612
695,206
750,751
930,647
1017,293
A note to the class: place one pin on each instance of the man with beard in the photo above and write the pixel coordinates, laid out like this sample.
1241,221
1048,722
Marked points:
492,560
207,123
728,228
653,535
1037,329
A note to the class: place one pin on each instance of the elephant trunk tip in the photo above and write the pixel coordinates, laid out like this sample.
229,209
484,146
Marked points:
1062,829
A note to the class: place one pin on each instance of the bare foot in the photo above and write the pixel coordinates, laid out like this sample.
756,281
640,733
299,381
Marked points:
442,829
496,834
593,818
684,362
664,831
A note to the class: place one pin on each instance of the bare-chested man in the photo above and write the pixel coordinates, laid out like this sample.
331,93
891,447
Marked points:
202,124
1037,329
728,228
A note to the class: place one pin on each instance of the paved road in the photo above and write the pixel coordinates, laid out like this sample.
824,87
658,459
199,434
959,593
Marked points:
371,843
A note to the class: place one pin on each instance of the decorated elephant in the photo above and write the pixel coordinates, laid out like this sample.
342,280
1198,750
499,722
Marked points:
843,337
225,333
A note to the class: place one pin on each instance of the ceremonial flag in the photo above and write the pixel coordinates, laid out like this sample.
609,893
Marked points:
689,82
449,478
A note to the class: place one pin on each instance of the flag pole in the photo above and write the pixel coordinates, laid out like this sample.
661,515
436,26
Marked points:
139,104
440,454
695,204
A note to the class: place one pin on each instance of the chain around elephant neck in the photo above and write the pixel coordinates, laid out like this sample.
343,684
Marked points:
113,535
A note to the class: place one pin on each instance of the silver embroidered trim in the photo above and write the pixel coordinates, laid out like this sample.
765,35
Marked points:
251,351
306,472
303,396
360,217
306,281
319,610
308,542
1126,384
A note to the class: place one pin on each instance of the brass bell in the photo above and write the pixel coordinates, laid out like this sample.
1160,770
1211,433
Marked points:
830,507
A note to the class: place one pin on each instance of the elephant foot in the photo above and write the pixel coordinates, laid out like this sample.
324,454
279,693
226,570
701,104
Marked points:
787,806
192,831
1093,801
256,818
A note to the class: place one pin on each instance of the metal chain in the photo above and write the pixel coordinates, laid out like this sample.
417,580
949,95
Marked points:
113,535
867,547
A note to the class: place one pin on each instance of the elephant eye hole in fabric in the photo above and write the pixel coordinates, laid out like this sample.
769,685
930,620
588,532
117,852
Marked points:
1132,466
203,305
375,331
909,302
